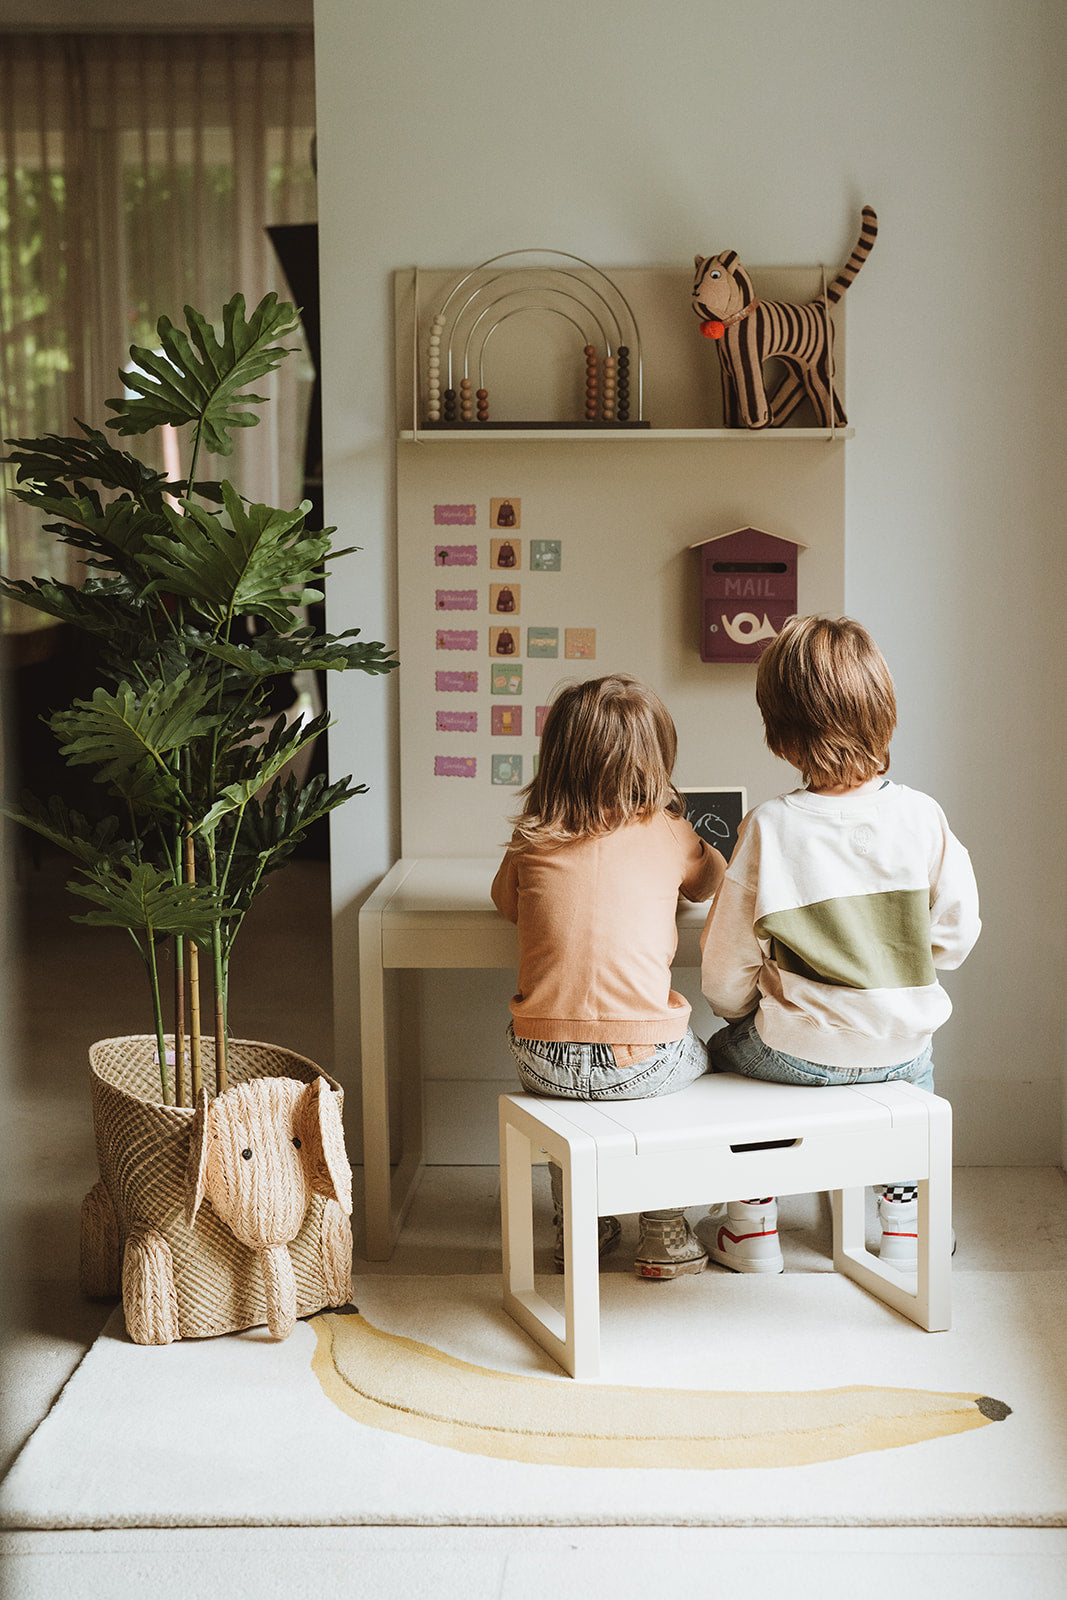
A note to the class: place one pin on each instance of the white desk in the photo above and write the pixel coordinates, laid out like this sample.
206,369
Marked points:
430,912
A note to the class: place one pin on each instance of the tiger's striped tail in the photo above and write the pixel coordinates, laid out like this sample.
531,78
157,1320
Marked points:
864,246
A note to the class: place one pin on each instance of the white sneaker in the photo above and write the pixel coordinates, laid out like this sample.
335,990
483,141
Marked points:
900,1233
745,1236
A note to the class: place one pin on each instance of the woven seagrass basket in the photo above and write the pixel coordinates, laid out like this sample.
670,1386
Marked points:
143,1150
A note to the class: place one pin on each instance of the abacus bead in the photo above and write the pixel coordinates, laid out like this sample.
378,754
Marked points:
590,350
624,350
483,394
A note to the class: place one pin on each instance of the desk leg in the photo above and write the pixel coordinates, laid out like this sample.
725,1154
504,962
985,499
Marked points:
384,1209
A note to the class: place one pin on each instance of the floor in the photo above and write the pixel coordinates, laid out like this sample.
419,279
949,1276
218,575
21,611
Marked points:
63,993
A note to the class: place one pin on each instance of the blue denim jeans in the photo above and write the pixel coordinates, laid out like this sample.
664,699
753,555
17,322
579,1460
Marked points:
589,1071
739,1048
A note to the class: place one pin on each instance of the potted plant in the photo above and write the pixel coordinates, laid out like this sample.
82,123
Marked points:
195,599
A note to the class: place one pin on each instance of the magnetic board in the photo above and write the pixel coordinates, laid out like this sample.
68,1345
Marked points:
716,815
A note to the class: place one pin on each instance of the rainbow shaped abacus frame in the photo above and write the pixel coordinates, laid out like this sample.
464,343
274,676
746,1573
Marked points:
482,300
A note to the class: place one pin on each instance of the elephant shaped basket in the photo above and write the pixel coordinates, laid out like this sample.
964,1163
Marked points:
221,1216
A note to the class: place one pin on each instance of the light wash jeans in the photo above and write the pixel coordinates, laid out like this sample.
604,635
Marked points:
589,1072
739,1048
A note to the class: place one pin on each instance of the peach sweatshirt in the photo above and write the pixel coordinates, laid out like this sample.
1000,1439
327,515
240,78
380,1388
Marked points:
597,932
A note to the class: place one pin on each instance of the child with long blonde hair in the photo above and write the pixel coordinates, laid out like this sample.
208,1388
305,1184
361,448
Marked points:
599,855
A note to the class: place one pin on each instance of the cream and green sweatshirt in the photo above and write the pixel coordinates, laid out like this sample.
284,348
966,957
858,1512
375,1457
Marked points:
597,931
835,914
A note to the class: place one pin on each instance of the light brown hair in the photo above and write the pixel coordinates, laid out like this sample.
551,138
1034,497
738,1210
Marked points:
607,753
827,701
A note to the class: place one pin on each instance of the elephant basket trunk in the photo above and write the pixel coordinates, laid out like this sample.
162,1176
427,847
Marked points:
180,1279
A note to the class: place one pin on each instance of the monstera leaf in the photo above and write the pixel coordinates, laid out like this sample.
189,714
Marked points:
145,900
200,378
52,462
303,650
263,763
260,565
128,735
92,843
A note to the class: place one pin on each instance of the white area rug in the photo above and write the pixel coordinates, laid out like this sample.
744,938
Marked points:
238,1430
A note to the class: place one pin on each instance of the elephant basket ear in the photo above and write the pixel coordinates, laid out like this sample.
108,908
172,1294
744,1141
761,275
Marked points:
323,1141
196,1165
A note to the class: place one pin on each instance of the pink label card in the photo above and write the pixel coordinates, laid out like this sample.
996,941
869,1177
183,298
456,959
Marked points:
455,555
456,600
455,516
456,682
457,722
457,638
454,766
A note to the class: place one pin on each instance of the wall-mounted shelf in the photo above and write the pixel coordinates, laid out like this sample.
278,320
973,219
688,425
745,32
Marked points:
597,435
534,366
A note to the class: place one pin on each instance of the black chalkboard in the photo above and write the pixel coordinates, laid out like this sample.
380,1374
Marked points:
716,815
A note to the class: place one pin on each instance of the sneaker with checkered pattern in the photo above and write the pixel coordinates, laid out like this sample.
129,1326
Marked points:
667,1246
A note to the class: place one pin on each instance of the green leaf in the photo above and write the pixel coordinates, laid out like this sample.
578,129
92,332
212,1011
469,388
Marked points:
116,534
128,735
145,900
92,843
199,377
262,762
53,462
260,565
304,650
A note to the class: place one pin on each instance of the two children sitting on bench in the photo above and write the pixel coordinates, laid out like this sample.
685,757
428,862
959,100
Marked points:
821,949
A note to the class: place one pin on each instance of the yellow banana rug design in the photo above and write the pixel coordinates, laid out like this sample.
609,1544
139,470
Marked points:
386,1381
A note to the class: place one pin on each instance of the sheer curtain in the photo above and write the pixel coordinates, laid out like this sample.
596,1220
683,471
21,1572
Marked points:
138,174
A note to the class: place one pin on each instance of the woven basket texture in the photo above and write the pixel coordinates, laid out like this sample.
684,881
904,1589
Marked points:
143,1146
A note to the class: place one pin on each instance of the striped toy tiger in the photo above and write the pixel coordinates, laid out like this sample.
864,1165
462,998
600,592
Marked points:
749,331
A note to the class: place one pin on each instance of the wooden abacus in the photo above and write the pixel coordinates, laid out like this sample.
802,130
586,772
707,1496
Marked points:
460,331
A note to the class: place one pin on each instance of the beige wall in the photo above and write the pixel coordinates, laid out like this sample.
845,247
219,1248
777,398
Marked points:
634,134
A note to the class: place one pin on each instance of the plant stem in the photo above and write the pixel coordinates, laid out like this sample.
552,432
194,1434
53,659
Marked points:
161,1046
220,974
196,1071
179,1019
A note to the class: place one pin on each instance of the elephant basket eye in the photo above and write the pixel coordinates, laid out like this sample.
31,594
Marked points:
247,1154
297,1143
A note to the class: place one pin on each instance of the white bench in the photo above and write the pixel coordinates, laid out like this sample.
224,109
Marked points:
695,1148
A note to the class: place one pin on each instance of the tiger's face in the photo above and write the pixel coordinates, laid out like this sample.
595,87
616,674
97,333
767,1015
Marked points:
717,291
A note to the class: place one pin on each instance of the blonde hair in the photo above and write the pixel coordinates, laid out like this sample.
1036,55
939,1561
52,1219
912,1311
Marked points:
826,697
607,752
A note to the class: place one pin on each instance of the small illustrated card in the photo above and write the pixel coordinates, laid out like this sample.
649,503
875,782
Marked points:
579,644
456,600
455,516
455,555
507,769
455,767
504,641
546,555
507,679
505,513
542,643
505,553
505,597
540,713
507,720
456,682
